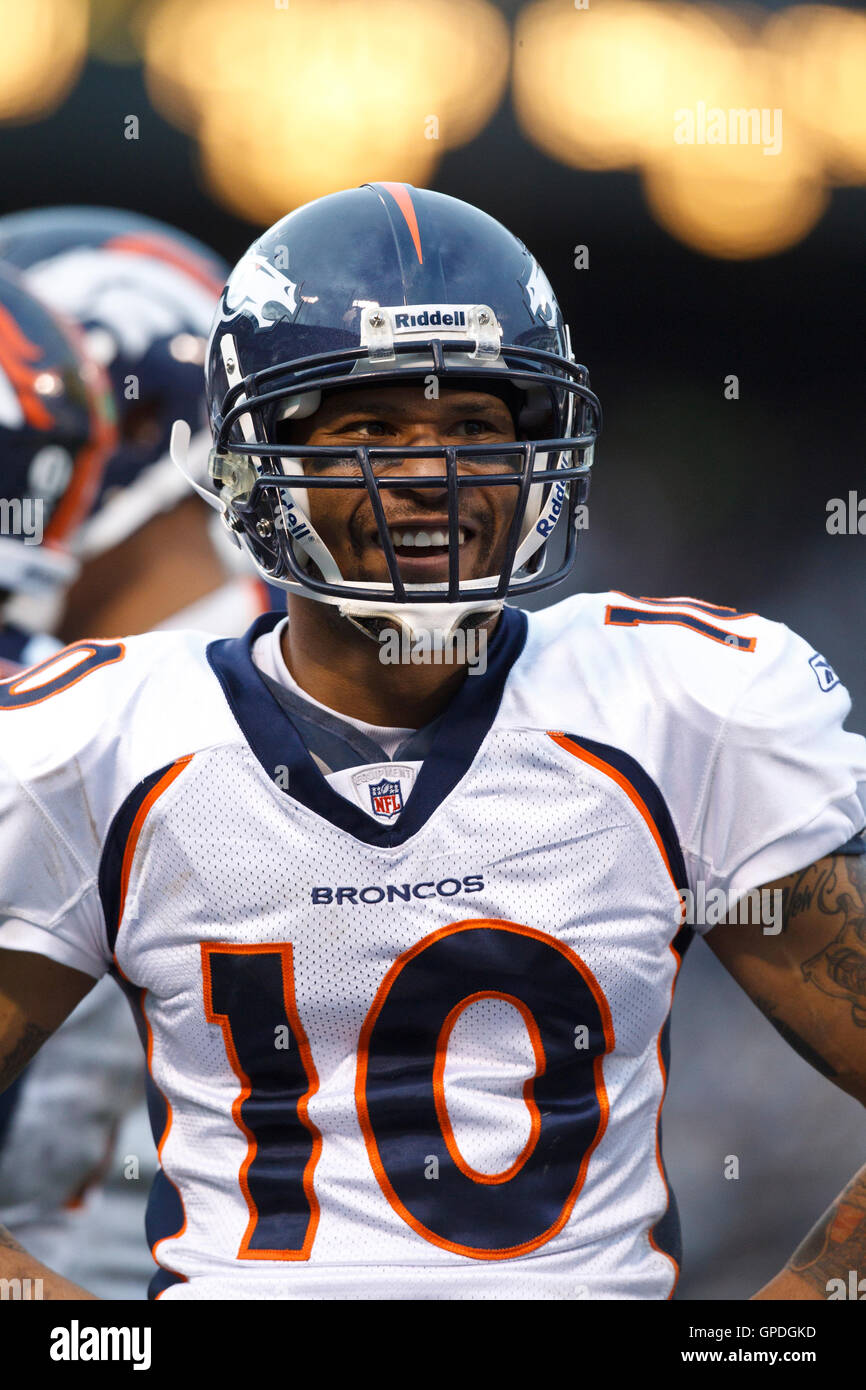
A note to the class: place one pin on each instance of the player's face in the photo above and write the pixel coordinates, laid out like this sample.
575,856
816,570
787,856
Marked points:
417,517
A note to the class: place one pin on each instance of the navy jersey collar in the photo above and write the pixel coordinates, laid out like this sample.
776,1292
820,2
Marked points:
280,749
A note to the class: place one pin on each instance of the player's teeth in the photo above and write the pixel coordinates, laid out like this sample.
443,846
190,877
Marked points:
423,538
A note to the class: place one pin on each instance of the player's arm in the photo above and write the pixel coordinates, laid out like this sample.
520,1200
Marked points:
820,1266
16,1263
809,978
36,995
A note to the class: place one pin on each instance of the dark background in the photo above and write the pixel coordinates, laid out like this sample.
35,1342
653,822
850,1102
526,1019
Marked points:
693,494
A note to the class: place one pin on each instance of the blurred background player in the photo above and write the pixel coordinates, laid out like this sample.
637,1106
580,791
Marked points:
146,554
57,430
143,294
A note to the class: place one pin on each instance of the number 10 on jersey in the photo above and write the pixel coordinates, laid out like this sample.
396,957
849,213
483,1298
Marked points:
400,1088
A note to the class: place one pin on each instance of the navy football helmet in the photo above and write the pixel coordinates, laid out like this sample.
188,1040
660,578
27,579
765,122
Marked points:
390,284
144,296
56,432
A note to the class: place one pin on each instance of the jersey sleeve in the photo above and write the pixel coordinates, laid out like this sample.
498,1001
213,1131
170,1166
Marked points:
49,901
788,782
77,734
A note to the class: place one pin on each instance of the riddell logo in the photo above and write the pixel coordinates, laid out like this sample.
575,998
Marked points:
547,523
450,317
290,521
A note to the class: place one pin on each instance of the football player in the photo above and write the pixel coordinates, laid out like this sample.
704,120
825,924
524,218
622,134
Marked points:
57,430
403,927
142,295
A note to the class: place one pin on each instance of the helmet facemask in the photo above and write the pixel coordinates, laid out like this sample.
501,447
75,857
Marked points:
265,491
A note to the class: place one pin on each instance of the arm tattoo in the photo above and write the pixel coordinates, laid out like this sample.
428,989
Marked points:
793,1039
835,889
31,1039
836,1243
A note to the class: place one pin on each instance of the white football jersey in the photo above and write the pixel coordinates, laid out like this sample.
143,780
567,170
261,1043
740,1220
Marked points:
422,1056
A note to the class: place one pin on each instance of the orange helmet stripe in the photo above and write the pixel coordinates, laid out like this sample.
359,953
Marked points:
402,197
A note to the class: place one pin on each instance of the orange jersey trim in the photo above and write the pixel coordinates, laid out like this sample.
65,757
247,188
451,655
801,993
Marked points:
622,782
128,855
659,1163
169,1116
634,797
137,825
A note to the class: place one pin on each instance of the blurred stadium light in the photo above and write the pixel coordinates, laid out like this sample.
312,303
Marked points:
290,99
726,200
597,89
629,78
291,103
822,55
44,47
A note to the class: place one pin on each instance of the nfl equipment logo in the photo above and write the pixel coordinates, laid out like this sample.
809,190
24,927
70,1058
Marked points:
386,797
826,676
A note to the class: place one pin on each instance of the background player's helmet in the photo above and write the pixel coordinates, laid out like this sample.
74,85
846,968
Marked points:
144,296
389,283
56,432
